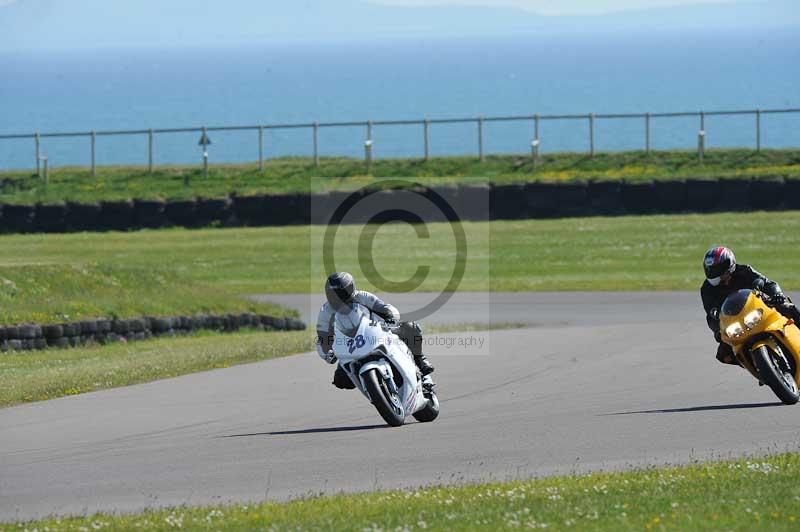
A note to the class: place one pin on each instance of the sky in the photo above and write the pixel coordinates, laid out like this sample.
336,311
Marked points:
544,7
82,24
562,7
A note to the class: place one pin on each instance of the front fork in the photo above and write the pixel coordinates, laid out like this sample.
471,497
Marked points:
386,372
770,343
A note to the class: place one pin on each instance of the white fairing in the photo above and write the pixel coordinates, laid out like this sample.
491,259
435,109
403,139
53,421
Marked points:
372,333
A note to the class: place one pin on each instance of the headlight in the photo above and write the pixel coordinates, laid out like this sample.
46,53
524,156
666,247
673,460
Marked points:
753,318
734,330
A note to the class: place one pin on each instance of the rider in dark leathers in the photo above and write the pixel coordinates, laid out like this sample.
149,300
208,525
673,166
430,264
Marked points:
340,292
724,277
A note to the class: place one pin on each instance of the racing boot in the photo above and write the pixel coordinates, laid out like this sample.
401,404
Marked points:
341,380
427,385
423,364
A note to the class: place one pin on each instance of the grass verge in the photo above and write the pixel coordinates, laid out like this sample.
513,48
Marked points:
294,174
177,271
42,375
473,326
49,293
747,494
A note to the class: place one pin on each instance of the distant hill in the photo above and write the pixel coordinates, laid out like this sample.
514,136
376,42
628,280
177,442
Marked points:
61,24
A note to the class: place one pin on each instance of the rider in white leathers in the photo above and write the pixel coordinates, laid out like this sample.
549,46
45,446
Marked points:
342,301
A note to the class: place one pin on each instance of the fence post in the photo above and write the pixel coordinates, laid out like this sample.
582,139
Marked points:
425,132
205,156
150,151
260,148
647,133
534,154
368,154
701,137
46,173
316,144
94,143
480,140
38,155
701,144
591,134
758,130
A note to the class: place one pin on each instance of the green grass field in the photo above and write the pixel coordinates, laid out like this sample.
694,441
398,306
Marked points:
45,277
747,494
296,174
57,277
53,293
42,375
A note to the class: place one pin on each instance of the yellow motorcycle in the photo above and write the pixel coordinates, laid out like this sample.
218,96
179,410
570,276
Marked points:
765,342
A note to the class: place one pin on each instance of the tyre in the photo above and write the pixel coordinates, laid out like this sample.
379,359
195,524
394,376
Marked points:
777,374
387,406
431,410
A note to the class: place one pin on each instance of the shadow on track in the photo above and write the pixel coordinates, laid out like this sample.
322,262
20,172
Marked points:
308,431
696,409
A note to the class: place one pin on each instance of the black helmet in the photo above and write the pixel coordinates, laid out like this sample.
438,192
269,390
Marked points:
339,289
718,261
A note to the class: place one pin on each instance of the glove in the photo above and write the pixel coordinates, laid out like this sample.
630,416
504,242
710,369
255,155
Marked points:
327,356
778,299
331,358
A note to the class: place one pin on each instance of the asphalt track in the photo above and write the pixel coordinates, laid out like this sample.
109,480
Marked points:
596,381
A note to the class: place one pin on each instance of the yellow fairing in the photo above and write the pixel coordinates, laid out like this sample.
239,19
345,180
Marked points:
772,323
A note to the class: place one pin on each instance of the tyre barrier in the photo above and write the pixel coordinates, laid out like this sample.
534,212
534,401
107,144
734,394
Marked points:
18,218
183,213
31,336
541,200
116,215
572,199
250,210
50,218
671,196
507,202
639,198
767,193
791,194
83,217
150,213
605,197
702,195
475,202
211,211
470,202
734,194
427,203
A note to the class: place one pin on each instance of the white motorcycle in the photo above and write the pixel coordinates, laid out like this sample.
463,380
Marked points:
380,365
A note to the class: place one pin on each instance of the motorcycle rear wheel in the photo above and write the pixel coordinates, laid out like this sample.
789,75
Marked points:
773,374
381,398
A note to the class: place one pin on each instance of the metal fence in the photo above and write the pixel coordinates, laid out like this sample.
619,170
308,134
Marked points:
425,125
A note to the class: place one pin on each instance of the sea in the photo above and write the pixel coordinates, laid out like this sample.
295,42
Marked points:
301,83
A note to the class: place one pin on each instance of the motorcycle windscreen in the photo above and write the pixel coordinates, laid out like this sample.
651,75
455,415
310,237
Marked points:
735,302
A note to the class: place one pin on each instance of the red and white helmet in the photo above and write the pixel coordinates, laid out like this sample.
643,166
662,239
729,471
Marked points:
718,261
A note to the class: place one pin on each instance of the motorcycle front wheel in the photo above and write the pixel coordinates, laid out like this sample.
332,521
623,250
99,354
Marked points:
776,374
387,405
